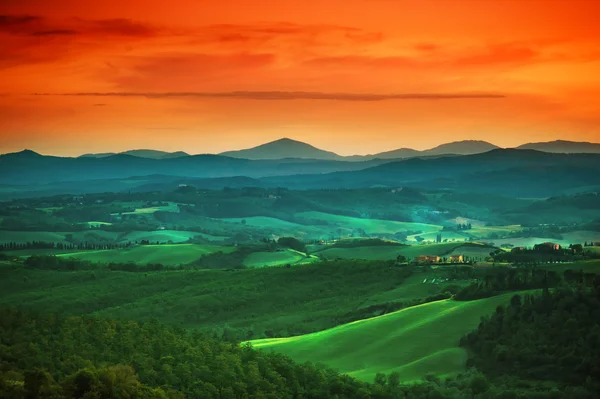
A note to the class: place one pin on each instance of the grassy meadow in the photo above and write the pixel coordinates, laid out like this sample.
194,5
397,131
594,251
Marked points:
416,341
278,258
370,226
166,254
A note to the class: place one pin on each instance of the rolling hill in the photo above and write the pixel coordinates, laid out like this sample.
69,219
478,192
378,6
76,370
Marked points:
152,154
520,173
509,172
288,148
562,146
281,149
413,342
28,167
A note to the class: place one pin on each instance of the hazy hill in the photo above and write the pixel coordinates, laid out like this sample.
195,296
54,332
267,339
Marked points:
465,147
511,172
152,154
562,146
283,148
520,173
28,167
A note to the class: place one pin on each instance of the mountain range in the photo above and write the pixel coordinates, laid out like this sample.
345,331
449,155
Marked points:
288,148
565,147
152,154
520,173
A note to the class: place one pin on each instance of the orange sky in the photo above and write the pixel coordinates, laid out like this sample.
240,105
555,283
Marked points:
351,76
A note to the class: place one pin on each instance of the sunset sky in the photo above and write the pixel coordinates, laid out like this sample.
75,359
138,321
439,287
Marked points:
350,76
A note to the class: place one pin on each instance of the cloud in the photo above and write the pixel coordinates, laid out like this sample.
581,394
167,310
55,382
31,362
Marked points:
175,72
431,55
17,20
59,32
287,95
290,33
504,53
120,27
36,25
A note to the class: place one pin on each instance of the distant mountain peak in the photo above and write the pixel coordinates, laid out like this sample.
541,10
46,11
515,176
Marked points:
462,147
286,140
283,148
26,153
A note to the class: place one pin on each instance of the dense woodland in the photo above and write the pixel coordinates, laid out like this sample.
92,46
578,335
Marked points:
554,337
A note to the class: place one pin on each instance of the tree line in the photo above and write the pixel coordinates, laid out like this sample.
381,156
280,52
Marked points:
85,245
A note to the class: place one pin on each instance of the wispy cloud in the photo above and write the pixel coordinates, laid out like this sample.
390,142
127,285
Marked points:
287,95
36,25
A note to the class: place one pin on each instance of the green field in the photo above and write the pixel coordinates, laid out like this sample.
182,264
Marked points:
418,286
278,258
50,209
98,224
484,231
276,226
371,226
172,207
175,236
384,252
262,221
573,237
579,237
413,342
438,249
161,236
174,254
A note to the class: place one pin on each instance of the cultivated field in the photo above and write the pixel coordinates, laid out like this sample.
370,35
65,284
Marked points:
166,254
278,258
370,226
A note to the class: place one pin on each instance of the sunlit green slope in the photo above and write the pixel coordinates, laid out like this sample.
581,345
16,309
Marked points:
166,254
413,342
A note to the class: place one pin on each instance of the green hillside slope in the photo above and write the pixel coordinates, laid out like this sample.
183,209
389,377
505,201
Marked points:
413,342
174,254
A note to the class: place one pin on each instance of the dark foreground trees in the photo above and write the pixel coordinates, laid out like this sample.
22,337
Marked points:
85,357
550,337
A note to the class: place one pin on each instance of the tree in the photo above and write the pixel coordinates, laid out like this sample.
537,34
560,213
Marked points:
292,243
479,384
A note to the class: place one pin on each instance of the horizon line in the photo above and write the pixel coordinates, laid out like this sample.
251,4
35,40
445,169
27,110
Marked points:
303,142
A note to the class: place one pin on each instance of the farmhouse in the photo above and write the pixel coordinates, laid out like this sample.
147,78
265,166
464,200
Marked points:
456,259
547,246
427,259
